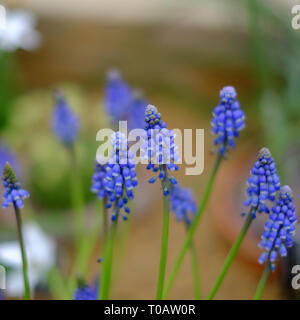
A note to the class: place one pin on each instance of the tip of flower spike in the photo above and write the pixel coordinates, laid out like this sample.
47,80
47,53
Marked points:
227,93
286,190
264,152
59,95
113,75
9,174
150,109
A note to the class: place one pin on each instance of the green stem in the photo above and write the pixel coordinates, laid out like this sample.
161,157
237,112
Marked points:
87,245
262,282
104,221
105,279
164,248
232,254
192,228
23,253
77,199
56,284
196,273
123,239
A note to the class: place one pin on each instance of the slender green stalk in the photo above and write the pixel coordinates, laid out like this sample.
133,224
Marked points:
23,253
88,244
196,273
77,199
231,255
164,249
105,279
262,282
57,286
192,228
123,238
104,221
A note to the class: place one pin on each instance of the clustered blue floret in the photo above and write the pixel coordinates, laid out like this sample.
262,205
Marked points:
65,123
117,96
122,103
120,178
86,292
159,149
263,182
228,120
13,194
279,229
98,181
183,204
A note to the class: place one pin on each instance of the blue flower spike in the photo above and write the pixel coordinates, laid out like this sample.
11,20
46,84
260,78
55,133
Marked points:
159,149
263,183
279,229
13,194
183,204
228,120
120,178
117,97
98,181
65,123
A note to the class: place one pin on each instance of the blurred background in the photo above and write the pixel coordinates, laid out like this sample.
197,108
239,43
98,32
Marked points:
180,54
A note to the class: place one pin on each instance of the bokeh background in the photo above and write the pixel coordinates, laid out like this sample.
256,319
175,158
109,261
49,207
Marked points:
180,53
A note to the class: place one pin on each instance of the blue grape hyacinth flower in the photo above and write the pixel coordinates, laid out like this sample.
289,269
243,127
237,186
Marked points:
117,97
228,120
183,204
65,123
159,149
13,194
98,181
86,292
120,178
279,229
122,103
263,182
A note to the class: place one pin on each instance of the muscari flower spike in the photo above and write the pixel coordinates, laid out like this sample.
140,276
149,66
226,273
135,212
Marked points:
13,194
279,229
65,123
183,204
228,120
86,292
120,178
159,149
263,183
98,181
117,97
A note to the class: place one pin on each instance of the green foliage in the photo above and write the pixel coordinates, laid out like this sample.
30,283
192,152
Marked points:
8,75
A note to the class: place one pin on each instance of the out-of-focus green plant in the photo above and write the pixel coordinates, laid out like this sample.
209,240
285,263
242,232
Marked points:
275,47
48,170
8,75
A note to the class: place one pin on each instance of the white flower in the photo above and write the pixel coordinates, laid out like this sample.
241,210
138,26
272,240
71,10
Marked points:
19,31
40,252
